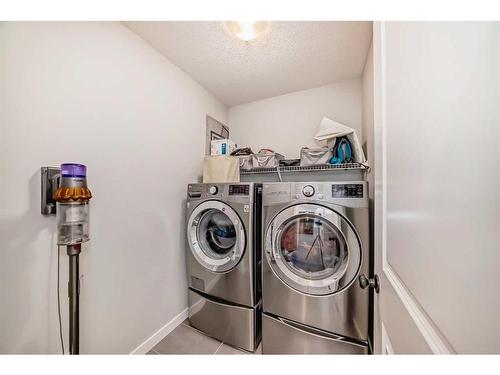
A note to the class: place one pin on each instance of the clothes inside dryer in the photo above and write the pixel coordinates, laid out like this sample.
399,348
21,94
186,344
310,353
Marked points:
216,234
312,247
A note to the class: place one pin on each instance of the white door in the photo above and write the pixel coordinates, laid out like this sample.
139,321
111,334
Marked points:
437,190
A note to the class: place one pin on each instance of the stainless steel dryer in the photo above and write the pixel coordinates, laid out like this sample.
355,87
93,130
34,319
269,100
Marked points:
223,261
316,247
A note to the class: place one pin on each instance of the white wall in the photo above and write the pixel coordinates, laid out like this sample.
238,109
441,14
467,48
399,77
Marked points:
95,93
288,122
440,137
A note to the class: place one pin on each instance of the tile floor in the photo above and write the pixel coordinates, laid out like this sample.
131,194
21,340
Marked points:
188,340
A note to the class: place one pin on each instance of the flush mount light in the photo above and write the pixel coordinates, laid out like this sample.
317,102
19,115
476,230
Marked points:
246,30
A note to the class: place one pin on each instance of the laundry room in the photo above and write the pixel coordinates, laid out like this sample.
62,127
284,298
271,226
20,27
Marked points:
276,187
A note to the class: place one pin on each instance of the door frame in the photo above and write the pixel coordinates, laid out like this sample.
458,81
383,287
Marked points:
395,306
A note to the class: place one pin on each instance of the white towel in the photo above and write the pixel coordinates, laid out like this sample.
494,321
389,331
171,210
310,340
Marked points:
331,129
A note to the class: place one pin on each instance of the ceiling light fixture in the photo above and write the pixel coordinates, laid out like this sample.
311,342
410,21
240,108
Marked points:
246,30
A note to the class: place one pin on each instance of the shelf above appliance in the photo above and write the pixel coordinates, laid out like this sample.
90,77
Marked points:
320,172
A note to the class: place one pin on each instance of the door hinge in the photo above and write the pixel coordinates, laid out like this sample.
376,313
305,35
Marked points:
373,283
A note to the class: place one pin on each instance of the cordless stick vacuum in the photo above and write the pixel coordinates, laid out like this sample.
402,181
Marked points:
72,197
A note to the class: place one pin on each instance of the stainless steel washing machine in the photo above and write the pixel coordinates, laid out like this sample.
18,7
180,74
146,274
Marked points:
224,261
316,247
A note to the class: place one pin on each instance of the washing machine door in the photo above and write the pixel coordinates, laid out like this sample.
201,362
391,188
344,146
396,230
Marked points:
216,236
313,249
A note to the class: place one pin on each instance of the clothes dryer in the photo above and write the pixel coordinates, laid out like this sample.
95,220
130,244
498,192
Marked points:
316,248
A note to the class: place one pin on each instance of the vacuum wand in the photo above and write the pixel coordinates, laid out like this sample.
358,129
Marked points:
74,298
72,212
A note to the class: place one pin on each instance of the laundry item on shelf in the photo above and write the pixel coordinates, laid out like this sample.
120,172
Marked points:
245,157
329,131
221,169
289,162
266,158
342,151
222,147
315,155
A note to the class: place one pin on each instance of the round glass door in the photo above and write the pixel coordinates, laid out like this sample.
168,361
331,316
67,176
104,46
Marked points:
216,236
313,249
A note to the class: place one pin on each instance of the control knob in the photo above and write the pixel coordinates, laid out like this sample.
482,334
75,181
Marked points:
308,191
213,190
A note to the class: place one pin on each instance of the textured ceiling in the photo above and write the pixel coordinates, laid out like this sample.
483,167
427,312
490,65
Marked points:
291,56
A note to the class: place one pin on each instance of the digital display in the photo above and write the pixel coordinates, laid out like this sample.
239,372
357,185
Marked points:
239,189
347,191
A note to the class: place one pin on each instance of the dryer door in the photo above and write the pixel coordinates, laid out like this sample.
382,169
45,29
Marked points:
313,249
216,236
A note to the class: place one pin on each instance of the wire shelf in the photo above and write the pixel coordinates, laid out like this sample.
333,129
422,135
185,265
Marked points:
310,168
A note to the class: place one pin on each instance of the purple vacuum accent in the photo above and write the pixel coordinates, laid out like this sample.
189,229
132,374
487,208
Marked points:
73,170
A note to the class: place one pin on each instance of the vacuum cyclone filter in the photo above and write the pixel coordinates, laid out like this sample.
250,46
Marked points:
72,197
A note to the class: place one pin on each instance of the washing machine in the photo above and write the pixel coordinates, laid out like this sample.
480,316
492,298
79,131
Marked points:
224,261
316,248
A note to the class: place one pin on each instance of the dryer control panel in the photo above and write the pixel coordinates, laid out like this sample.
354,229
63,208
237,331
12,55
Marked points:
228,192
347,190
348,194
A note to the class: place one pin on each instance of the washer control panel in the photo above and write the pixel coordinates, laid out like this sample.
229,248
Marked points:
242,193
239,189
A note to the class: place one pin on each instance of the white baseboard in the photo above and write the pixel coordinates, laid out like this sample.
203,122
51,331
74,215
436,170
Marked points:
151,342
